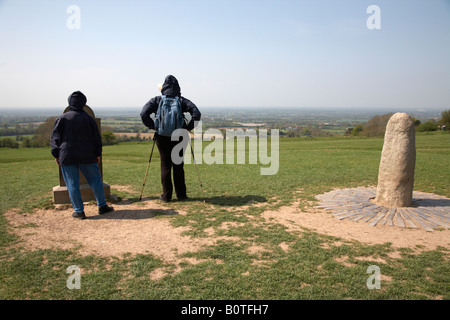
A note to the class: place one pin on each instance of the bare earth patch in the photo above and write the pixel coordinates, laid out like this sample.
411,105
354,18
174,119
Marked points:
324,223
132,228
145,228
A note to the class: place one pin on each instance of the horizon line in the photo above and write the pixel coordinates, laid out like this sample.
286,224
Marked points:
247,107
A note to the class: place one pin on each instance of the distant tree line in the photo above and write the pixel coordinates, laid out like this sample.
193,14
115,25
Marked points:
16,119
109,138
17,129
376,126
307,131
41,137
9,143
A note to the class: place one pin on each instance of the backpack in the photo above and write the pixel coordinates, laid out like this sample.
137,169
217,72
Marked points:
169,116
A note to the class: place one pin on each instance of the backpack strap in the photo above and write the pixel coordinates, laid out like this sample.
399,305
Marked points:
161,101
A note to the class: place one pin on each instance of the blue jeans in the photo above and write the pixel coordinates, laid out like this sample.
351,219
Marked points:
93,177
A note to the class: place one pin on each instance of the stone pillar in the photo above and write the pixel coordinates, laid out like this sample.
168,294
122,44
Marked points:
398,160
60,193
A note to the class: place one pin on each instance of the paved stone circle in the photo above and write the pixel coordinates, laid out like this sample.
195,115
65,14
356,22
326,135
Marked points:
429,211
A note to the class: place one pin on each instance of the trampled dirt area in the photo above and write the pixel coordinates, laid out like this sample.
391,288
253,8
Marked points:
131,228
323,222
146,228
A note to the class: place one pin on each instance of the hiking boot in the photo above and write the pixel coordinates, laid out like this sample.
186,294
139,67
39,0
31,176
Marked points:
105,209
162,199
79,215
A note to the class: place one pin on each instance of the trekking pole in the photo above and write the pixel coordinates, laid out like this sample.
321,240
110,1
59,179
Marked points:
196,169
148,166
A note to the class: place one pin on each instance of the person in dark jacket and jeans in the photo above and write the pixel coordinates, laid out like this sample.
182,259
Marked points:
76,145
170,88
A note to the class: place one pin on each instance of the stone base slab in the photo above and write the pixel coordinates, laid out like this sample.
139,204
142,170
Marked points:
429,211
61,195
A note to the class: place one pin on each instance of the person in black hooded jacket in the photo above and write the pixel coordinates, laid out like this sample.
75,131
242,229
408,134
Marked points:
170,88
76,145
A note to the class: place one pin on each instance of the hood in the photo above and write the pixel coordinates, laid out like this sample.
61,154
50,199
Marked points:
171,87
77,101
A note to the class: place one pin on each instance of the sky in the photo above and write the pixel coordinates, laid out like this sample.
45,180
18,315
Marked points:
235,53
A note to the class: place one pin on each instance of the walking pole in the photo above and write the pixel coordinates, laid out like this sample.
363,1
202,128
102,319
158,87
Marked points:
196,169
148,166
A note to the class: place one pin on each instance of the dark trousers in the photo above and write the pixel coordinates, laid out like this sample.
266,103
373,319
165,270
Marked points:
165,146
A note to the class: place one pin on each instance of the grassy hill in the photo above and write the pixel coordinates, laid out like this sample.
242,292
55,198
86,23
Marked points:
309,270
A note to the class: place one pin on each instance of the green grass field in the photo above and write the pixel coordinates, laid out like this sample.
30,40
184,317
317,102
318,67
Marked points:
309,270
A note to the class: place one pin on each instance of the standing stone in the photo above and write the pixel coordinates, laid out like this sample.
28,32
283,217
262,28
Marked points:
398,160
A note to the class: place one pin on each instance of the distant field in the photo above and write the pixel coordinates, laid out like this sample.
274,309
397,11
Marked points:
147,136
248,254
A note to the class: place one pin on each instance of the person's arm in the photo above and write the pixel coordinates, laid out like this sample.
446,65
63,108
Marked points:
97,139
55,140
149,108
191,108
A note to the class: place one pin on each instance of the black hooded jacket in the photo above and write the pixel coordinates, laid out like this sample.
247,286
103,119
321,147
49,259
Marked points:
76,137
170,88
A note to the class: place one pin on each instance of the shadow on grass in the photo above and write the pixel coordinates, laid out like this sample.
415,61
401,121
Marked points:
135,214
231,201
225,201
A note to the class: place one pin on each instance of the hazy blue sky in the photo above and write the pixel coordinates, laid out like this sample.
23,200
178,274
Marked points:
312,53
